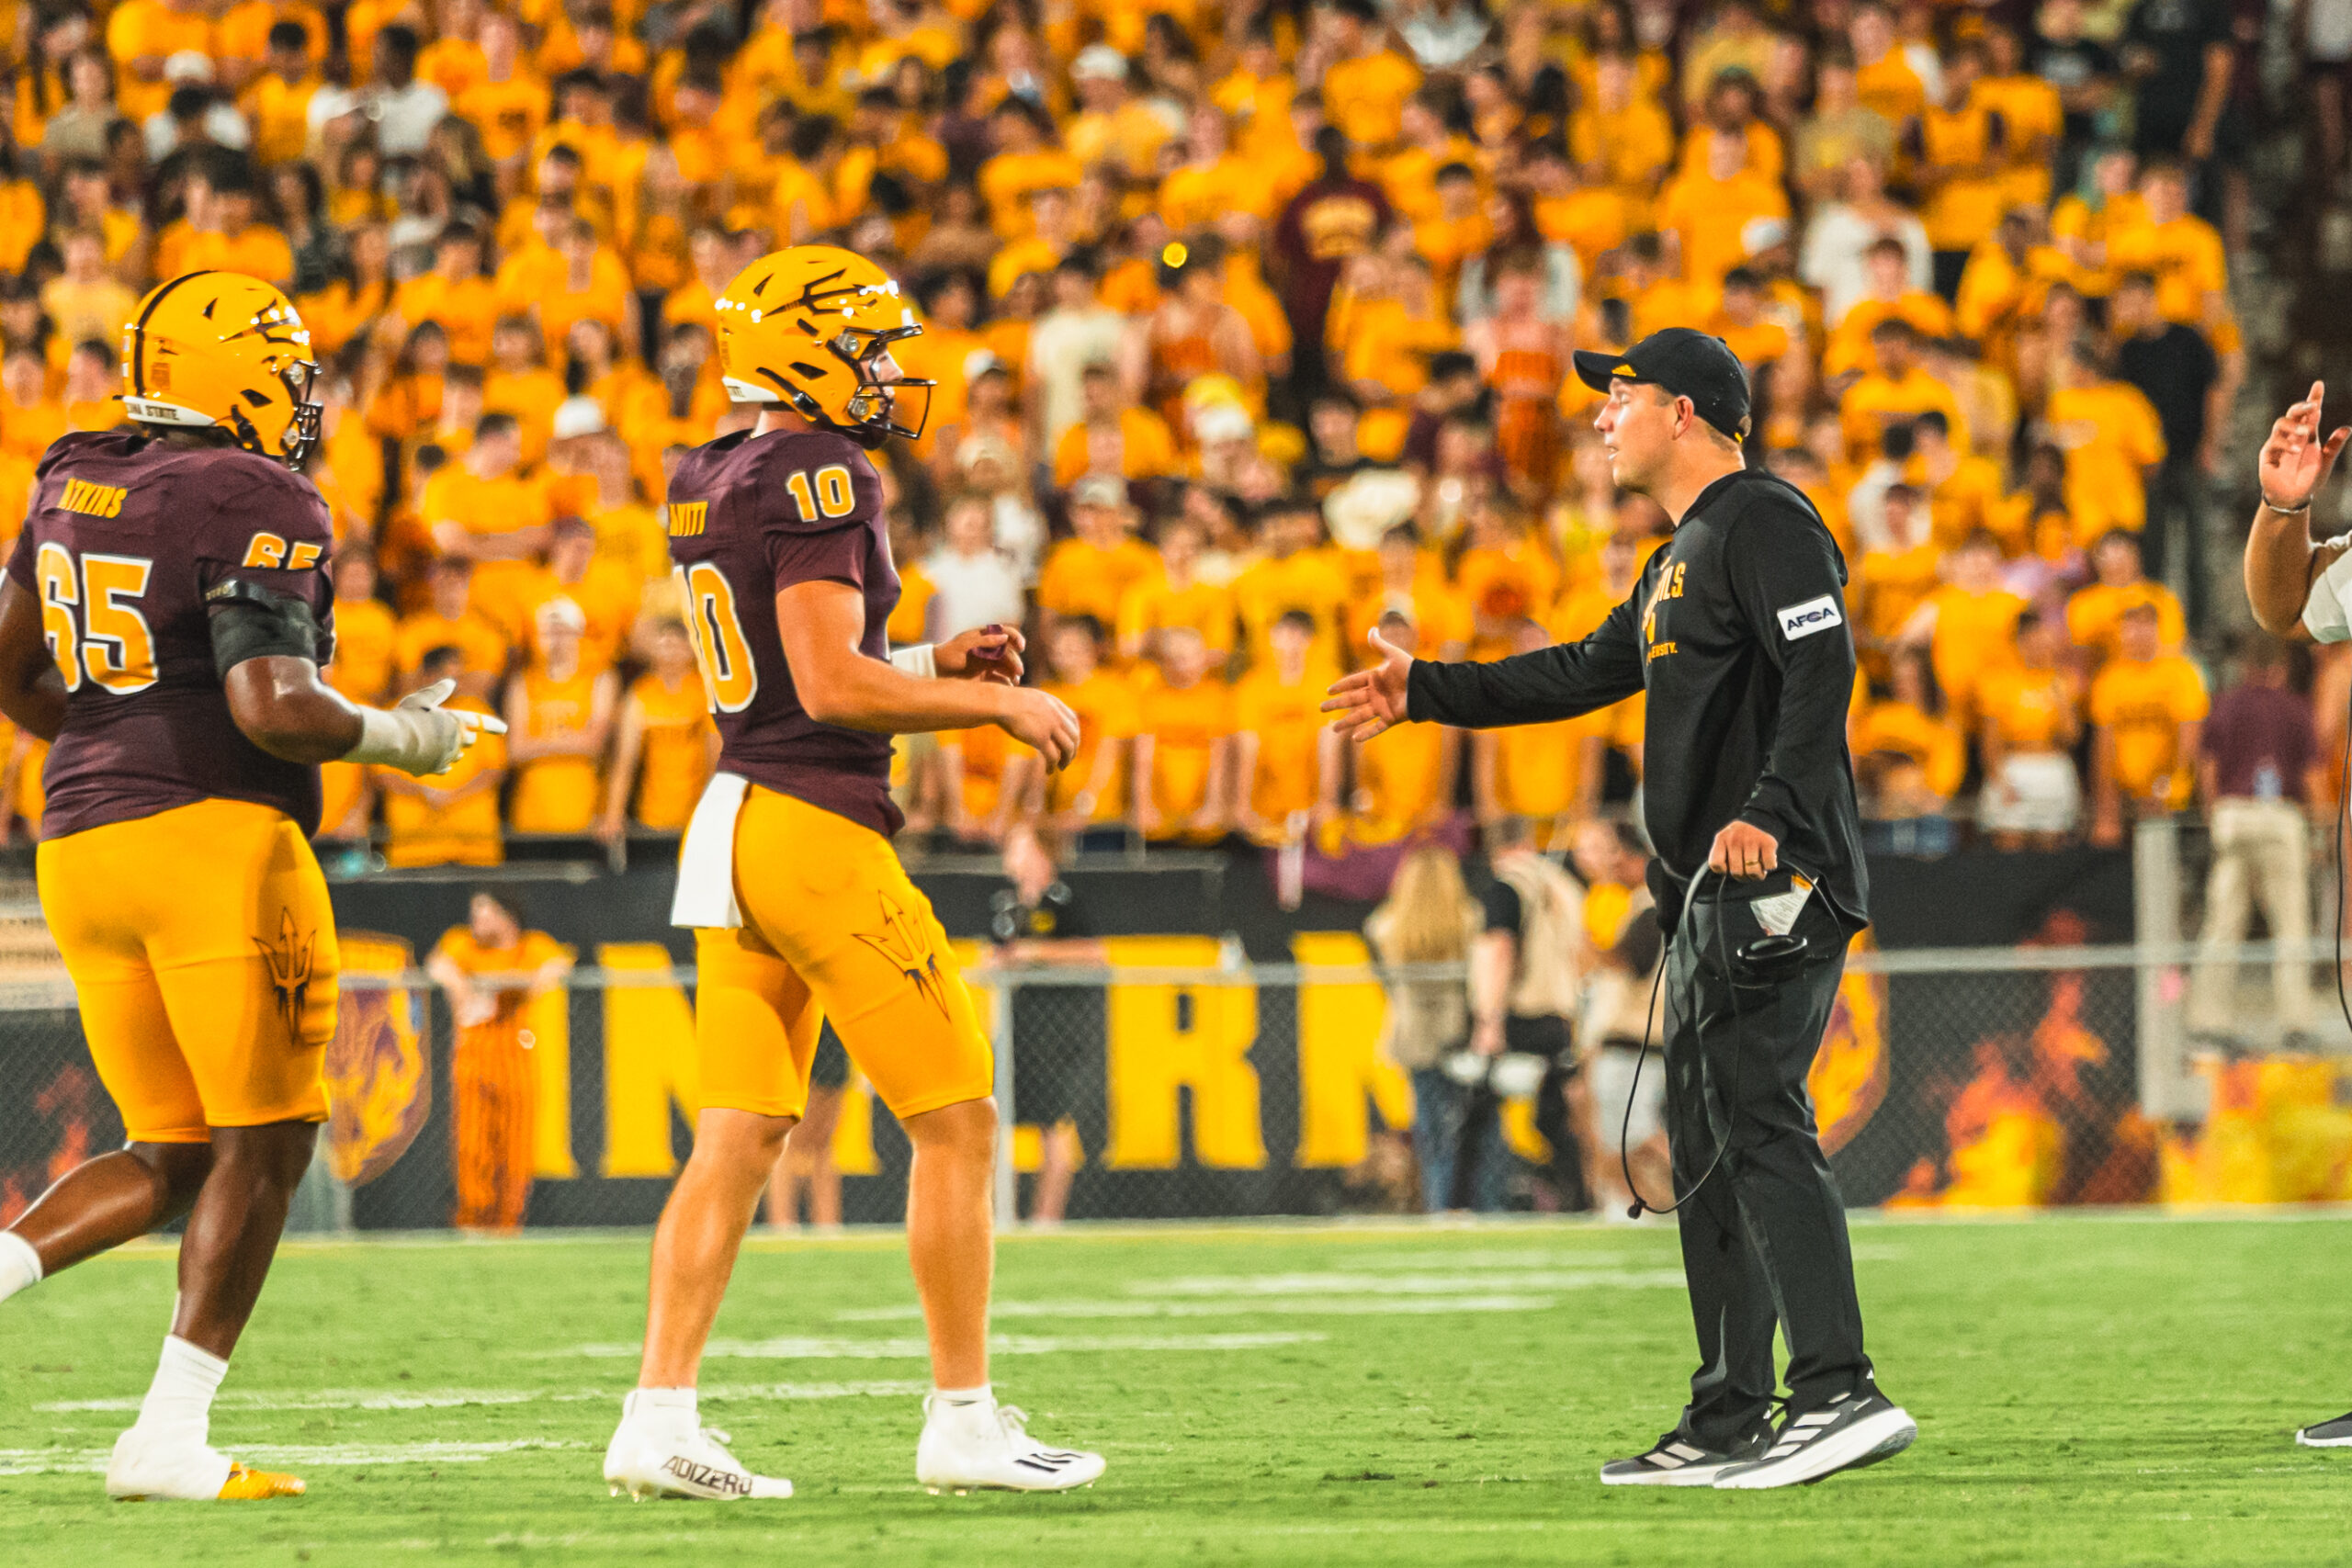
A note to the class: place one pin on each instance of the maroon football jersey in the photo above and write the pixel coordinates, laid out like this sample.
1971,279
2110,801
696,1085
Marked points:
124,539
750,515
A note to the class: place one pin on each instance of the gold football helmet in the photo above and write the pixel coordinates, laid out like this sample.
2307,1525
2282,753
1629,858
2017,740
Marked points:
811,328
219,350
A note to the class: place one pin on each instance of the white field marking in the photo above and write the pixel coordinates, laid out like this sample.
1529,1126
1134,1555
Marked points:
1369,1284
812,1350
341,1399
1292,1306
456,1398
1483,1259
883,1388
48,1461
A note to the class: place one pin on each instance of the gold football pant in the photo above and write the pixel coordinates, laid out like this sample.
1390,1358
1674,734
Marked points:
202,948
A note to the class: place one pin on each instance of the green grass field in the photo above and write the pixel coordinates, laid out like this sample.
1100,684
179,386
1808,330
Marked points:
2090,1390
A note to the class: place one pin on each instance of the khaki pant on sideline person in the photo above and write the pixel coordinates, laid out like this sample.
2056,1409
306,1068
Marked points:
2261,853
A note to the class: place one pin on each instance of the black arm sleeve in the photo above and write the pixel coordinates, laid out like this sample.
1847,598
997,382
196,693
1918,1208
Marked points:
1781,560
249,622
1501,906
1534,688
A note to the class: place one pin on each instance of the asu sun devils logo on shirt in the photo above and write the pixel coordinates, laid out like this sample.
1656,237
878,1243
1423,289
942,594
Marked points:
902,941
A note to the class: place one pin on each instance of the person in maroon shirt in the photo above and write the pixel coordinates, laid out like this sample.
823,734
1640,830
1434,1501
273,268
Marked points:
801,911
164,615
1334,218
2264,784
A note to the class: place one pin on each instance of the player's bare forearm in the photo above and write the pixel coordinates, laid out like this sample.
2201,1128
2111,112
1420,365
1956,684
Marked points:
32,694
821,625
857,692
2280,560
283,707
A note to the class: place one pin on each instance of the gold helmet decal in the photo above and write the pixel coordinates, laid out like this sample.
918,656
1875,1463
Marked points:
219,350
810,328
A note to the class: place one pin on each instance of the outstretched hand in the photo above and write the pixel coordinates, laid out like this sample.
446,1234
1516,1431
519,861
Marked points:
1372,700
989,653
2294,461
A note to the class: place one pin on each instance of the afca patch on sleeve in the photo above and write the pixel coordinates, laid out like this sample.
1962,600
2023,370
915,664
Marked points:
1813,615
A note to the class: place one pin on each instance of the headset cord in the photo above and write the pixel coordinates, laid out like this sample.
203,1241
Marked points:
1739,1050
2343,787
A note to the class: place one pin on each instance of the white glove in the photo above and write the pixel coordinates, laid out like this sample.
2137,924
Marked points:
420,737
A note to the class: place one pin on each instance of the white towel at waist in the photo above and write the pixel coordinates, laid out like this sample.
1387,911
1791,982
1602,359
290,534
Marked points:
706,894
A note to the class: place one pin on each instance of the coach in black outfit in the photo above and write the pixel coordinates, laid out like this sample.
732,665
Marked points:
1738,632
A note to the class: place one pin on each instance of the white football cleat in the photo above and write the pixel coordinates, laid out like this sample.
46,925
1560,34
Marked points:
651,1459
984,1444
147,1464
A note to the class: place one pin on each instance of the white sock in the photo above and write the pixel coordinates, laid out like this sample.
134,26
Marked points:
19,1265
179,1402
962,1396
667,1409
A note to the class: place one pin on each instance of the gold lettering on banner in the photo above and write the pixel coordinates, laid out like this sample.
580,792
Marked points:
547,1017
1342,1073
649,1059
1167,1040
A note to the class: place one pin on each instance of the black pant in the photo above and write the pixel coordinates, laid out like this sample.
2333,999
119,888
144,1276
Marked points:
2177,489
1764,1237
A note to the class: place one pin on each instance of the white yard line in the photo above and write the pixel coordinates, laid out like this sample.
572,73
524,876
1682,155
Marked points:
456,1398
48,1461
815,1350
1364,1283
1294,1306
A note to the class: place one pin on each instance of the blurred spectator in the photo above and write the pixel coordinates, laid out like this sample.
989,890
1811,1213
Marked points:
1183,745
2095,614
1619,1014
1040,920
2175,368
1429,917
2031,720
1909,756
805,1165
1523,990
666,745
493,973
2264,784
1285,758
2147,707
558,716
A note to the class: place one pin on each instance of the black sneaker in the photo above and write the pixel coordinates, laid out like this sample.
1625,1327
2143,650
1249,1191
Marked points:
1846,1434
1678,1461
2336,1434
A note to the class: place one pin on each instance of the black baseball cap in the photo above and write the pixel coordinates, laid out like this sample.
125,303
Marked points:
1687,363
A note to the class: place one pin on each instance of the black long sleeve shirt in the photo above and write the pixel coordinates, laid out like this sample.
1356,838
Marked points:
1738,632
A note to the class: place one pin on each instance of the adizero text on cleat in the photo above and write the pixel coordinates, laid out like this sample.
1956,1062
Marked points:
650,1458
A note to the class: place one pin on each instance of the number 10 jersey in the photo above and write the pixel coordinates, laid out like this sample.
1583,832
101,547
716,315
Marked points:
748,517
127,544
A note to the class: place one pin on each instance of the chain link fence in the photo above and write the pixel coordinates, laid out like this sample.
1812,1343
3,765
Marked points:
1953,1077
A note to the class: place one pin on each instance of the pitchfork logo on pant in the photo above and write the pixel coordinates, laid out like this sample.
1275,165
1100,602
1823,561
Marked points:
902,941
289,970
